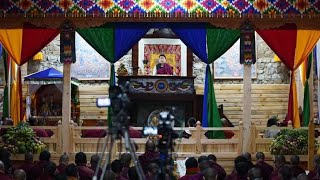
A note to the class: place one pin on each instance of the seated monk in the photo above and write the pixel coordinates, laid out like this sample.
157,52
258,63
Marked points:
149,155
227,133
28,163
94,133
225,123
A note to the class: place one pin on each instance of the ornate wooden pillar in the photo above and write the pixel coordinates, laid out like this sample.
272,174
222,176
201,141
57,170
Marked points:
67,56
247,58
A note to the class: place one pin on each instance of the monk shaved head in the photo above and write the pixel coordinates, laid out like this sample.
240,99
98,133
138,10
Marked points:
125,159
260,156
247,155
150,146
94,160
294,160
19,174
64,159
28,156
279,161
316,160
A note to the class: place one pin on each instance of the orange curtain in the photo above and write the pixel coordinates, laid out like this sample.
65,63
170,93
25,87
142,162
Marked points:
306,41
15,100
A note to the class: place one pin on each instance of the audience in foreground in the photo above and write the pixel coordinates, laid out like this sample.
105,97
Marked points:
203,168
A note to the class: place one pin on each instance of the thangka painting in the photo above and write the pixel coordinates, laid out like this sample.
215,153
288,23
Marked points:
173,51
228,66
90,65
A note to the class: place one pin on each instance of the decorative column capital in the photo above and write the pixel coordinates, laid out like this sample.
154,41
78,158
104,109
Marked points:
67,42
247,43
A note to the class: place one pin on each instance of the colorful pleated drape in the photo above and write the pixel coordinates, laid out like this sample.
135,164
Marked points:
293,47
21,45
112,41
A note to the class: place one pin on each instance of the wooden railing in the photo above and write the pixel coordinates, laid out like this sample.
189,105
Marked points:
196,144
225,149
53,143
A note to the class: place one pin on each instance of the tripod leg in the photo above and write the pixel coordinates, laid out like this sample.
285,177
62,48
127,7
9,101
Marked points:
95,177
131,149
108,159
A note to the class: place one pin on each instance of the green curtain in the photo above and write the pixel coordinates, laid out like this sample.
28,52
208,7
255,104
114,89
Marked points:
5,93
218,42
306,96
94,37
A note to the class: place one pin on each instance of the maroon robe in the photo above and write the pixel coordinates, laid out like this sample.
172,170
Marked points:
266,169
274,174
4,176
235,176
146,158
85,173
165,69
38,170
94,170
61,169
219,169
124,172
312,173
27,167
296,170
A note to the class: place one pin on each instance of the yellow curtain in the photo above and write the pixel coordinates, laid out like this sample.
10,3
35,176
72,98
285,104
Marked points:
12,41
303,70
306,41
15,96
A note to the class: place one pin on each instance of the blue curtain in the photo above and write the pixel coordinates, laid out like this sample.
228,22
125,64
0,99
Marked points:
0,50
127,35
193,35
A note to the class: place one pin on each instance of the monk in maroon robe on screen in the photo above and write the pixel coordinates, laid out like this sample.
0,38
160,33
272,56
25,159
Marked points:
163,68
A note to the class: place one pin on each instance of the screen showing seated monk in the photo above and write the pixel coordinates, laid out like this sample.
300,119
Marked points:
162,67
162,59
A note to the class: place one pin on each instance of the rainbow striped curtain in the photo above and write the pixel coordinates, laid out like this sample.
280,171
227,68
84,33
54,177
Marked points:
21,45
293,47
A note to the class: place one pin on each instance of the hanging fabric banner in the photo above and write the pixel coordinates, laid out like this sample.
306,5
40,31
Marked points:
67,43
247,44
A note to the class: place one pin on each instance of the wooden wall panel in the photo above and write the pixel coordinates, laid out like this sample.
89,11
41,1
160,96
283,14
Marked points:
87,97
267,100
